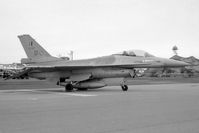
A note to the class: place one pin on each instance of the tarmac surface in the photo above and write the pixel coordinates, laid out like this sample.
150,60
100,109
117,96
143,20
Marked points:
161,107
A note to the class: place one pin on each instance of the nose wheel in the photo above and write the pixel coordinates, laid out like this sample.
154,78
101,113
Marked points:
124,87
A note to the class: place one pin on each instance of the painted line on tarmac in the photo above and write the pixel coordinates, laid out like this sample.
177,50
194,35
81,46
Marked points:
79,95
20,90
30,90
33,99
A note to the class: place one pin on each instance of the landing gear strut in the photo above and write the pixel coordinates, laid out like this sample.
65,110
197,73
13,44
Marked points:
68,87
124,87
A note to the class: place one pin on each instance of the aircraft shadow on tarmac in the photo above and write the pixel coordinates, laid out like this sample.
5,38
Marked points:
58,90
87,91
110,89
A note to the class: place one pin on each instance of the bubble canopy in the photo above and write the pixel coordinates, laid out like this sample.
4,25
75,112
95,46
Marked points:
135,53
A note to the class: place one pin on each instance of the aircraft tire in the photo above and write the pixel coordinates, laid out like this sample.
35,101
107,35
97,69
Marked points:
124,87
68,87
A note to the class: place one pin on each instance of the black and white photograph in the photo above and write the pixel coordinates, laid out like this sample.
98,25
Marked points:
99,66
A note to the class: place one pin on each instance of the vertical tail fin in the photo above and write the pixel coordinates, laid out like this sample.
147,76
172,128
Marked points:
34,51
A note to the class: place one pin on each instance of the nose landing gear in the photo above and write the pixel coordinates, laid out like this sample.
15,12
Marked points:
124,87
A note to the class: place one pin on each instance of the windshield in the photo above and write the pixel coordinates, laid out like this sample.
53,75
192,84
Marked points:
135,53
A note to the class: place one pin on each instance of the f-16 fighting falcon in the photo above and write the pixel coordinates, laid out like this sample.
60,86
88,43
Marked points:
92,73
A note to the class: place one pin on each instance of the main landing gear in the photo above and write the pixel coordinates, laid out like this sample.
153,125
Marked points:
68,87
124,87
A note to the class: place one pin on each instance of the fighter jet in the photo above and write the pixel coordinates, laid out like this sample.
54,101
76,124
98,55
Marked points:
92,73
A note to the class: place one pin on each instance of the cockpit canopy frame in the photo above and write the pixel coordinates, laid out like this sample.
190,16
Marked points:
135,53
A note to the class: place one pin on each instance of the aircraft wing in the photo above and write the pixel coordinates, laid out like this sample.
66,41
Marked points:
40,67
74,67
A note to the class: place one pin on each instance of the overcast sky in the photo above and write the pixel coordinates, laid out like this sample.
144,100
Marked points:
93,28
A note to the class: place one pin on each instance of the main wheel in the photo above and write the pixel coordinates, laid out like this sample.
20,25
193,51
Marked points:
124,87
68,87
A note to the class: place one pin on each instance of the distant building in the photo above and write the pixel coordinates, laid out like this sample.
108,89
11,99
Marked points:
1,66
15,66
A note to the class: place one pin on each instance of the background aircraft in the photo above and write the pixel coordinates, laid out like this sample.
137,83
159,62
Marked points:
88,73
